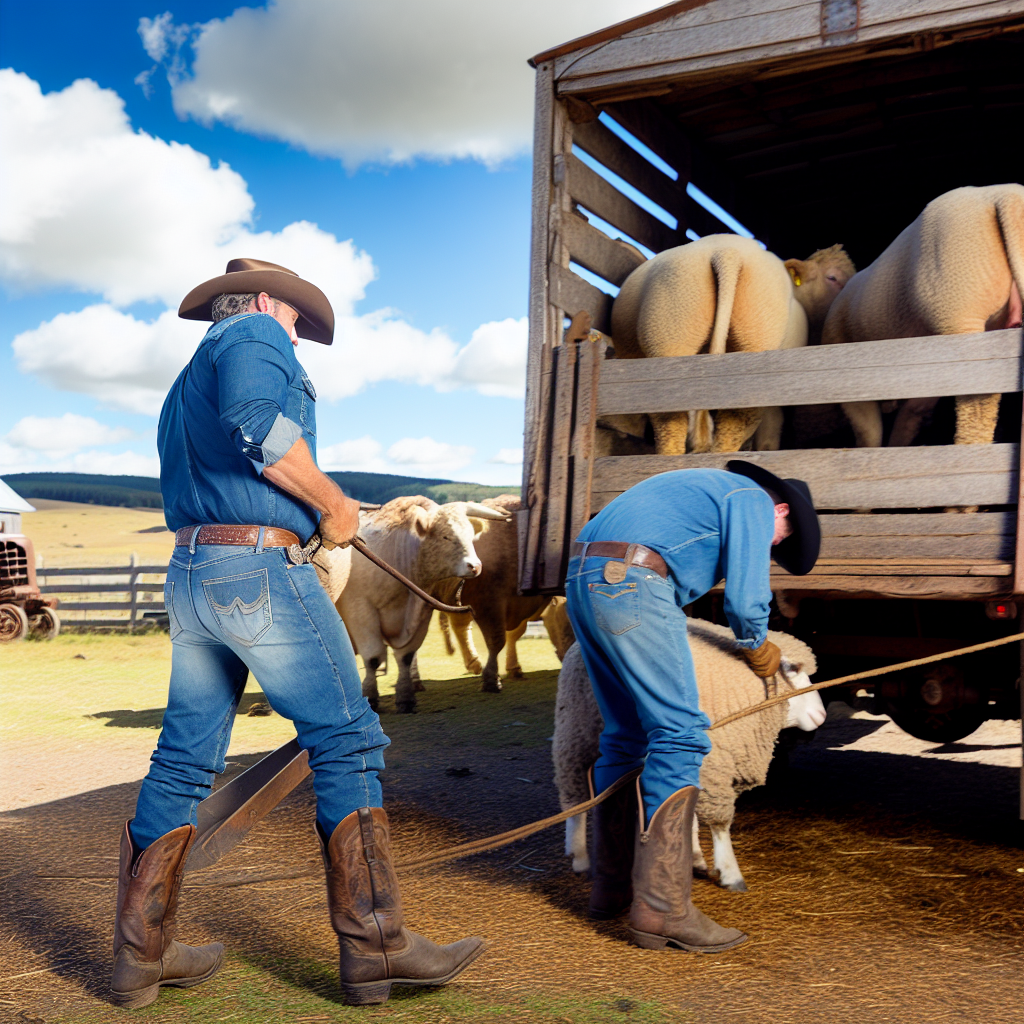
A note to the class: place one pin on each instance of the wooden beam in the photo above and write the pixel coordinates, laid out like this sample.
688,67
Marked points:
590,356
589,189
958,364
607,257
571,293
936,588
982,536
555,546
848,478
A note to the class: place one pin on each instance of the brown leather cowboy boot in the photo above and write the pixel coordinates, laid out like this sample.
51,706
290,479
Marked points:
146,954
662,916
377,950
612,842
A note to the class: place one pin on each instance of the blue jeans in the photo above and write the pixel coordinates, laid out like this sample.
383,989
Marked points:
632,636
234,610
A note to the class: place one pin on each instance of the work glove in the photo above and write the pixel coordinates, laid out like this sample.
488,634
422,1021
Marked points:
764,660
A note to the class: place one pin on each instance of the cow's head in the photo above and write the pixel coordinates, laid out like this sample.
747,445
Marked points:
806,710
447,534
818,279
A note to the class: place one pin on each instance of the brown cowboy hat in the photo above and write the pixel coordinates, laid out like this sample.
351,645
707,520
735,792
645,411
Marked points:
245,276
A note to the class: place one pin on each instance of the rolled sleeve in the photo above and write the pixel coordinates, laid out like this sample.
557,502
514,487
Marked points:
748,533
253,376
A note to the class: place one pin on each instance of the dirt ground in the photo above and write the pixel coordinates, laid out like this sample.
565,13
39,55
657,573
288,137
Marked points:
885,873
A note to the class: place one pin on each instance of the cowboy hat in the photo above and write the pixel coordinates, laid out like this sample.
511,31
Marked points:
799,551
245,276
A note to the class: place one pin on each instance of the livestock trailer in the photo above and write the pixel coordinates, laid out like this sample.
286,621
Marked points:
810,122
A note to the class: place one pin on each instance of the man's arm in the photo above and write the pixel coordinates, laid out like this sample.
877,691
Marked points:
297,473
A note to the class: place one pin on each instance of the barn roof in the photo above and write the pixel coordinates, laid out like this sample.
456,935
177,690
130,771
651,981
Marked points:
11,501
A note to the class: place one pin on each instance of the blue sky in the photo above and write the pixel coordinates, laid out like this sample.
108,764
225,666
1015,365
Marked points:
382,150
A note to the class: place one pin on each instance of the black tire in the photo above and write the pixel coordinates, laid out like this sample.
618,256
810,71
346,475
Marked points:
13,623
934,703
45,625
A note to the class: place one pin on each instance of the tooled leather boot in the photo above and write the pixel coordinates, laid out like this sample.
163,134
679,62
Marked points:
146,954
377,950
612,841
662,915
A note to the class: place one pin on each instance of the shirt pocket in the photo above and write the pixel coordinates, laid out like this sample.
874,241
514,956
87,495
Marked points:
241,605
306,395
616,606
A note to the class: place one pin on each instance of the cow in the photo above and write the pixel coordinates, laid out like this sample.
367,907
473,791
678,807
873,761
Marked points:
498,607
957,269
427,543
722,293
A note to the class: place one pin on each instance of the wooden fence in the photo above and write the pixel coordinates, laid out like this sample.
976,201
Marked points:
88,594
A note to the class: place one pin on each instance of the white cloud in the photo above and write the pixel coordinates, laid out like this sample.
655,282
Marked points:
62,435
383,81
363,453
425,453
17,459
90,204
494,361
125,363
508,457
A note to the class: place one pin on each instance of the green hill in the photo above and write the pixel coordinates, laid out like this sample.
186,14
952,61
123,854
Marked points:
144,491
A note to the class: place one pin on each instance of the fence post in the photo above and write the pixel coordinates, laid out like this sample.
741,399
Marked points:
133,583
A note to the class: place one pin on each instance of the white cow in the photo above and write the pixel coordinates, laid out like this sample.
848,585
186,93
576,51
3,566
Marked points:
427,543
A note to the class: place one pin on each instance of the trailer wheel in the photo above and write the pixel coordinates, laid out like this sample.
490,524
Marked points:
934,703
45,625
13,623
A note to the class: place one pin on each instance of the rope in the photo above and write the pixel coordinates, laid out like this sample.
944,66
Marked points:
505,838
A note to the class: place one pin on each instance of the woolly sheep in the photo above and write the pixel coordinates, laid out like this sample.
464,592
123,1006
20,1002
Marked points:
740,752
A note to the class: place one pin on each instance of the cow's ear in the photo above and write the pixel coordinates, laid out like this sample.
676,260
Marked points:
479,525
420,521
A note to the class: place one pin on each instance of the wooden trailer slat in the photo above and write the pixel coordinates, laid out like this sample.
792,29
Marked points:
590,190
559,490
958,364
909,567
848,478
949,588
571,293
608,258
605,146
981,536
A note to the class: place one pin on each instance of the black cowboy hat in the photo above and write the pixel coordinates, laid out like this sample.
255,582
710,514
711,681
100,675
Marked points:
799,551
316,318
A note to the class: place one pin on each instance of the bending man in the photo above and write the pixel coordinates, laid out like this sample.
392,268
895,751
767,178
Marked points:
653,550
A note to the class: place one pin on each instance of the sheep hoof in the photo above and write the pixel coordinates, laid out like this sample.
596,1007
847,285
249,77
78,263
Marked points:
700,871
474,668
491,686
406,707
738,886
580,864
515,673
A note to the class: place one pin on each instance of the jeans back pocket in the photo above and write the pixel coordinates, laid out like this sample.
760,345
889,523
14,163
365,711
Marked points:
616,606
241,605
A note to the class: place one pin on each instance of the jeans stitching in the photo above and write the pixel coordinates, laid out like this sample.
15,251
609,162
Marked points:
263,601
320,641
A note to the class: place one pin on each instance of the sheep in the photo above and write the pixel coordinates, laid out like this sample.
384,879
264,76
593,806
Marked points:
722,293
740,752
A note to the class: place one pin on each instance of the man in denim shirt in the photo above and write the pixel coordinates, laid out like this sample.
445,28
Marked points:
242,491
653,550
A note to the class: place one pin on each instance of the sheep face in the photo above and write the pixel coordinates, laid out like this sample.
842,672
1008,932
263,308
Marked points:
806,710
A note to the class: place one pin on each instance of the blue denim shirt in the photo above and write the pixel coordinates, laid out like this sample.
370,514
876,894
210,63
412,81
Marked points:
239,405
708,525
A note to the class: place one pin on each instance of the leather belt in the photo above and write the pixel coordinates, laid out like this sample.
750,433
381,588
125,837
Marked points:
631,554
244,536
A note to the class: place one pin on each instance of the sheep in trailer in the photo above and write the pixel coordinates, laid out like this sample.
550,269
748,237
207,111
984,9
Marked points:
723,293
740,752
957,269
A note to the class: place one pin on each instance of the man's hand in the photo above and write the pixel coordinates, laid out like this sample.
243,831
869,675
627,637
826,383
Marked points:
297,473
764,660
340,525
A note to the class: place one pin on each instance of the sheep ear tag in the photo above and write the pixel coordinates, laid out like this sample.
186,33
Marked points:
614,572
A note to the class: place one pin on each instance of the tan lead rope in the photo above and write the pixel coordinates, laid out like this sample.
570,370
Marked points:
505,838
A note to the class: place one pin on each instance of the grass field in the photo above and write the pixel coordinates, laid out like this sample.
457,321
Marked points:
67,533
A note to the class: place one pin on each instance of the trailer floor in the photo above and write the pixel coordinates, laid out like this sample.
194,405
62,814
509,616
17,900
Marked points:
885,885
